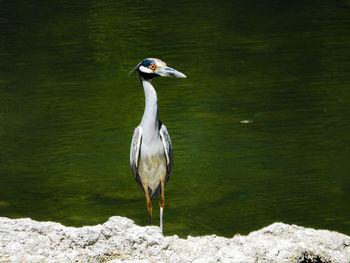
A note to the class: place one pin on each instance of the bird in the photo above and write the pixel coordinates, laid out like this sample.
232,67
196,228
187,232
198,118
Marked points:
151,151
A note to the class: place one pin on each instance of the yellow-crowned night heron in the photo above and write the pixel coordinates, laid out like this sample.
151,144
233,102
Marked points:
151,154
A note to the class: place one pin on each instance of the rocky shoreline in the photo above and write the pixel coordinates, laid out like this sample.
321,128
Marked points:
120,240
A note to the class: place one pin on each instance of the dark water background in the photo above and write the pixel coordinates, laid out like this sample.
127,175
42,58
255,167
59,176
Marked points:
68,109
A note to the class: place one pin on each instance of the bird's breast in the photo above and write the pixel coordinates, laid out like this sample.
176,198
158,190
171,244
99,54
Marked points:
152,165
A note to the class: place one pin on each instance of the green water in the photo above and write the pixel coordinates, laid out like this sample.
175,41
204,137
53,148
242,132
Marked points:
68,109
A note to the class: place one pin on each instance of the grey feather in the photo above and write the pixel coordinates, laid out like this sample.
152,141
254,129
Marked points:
168,150
135,153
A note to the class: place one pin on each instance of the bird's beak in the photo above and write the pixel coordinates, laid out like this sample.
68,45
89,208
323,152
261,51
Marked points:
170,72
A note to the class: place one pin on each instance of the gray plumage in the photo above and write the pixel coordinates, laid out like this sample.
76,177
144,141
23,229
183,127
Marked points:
151,152
135,151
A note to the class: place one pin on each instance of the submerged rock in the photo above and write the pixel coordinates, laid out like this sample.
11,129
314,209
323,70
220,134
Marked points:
120,240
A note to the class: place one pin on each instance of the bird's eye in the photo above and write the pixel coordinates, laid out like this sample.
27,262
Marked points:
153,67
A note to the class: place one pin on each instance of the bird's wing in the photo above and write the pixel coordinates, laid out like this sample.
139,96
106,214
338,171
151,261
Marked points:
135,153
168,149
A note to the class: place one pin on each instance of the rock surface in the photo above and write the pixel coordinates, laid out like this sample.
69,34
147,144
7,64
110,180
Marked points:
120,240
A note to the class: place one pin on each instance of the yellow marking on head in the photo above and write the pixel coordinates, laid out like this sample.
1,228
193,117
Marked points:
159,63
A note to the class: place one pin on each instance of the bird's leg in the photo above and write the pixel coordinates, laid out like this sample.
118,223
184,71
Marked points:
161,204
149,203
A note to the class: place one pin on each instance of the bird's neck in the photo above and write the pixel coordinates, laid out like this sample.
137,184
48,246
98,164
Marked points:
150,120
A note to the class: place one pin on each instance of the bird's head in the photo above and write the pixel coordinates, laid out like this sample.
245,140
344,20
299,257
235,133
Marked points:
153,67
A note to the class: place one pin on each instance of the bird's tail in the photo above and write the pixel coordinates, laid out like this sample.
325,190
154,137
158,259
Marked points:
156,193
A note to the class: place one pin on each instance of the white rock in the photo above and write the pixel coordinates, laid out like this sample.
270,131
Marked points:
120,240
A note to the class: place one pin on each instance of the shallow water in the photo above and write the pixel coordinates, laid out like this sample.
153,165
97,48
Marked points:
260,128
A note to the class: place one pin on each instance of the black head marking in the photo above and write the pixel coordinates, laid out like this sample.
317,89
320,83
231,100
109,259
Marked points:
146,63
